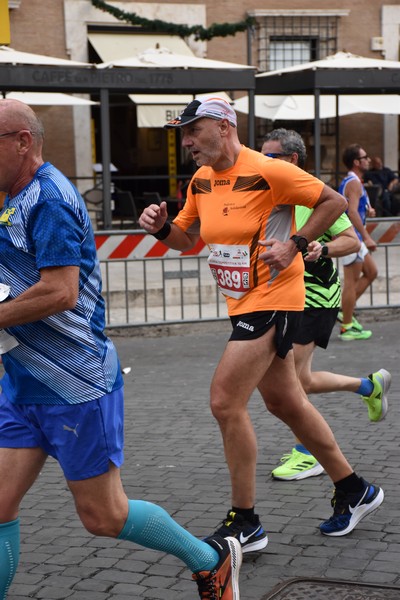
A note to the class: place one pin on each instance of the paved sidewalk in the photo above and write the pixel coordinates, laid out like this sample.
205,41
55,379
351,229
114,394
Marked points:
174,456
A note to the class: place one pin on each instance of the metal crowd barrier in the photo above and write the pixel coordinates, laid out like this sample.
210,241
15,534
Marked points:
142,288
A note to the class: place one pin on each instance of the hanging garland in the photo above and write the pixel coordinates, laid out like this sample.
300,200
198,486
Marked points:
158,26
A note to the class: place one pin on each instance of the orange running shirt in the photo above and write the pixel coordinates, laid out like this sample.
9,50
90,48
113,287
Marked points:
235,208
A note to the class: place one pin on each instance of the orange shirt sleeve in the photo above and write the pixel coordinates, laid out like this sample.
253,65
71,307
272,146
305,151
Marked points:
291,185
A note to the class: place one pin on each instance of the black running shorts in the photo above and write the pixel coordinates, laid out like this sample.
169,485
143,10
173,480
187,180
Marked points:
316,326
251,326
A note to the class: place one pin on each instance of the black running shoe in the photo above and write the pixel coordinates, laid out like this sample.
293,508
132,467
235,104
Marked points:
222,582
349,509
251,535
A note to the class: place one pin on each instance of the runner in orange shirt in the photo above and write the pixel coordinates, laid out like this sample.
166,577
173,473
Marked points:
260,200
241,203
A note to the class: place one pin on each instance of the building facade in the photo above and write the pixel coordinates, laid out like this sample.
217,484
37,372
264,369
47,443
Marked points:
284,33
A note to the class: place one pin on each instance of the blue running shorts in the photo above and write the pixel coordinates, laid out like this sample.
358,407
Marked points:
83,438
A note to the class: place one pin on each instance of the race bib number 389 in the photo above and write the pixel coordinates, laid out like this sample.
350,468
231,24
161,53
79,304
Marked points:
230,267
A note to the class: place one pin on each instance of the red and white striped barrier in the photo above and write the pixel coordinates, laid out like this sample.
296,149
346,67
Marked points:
384,232
139,245
142,245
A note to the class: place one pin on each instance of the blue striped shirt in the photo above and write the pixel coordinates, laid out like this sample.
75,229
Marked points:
363,202
65,358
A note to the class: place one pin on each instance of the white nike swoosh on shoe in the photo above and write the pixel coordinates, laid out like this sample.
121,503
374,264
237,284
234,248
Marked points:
352,509
244,538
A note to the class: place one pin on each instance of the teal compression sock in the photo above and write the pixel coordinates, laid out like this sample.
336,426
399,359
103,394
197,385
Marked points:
151,526
366,388
9,554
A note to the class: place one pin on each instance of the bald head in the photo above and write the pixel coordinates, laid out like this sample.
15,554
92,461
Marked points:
21,141
16,116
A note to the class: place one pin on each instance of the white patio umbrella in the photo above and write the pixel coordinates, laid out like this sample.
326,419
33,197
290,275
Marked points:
302,107
381,104
15,57
339,73
164,58
340,60
154,110
49,99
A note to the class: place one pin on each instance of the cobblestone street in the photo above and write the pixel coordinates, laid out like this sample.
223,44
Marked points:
174,457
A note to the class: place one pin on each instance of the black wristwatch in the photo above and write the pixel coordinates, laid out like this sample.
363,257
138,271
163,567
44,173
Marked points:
324,250
300,241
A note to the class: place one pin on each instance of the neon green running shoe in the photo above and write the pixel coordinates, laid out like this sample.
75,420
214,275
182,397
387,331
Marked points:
355,324
297,465
377,402
350,334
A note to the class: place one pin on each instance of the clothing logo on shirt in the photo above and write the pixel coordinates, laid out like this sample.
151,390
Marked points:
5,216
229,207
218,182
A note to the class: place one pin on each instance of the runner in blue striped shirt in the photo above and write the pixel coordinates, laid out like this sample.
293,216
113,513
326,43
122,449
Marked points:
62,392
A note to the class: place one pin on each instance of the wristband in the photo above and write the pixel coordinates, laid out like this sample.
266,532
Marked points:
164,232
324,249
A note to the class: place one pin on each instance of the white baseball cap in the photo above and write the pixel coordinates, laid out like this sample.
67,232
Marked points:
213,108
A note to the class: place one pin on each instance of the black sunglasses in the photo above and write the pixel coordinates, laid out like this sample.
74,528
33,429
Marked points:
361,157
277,154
